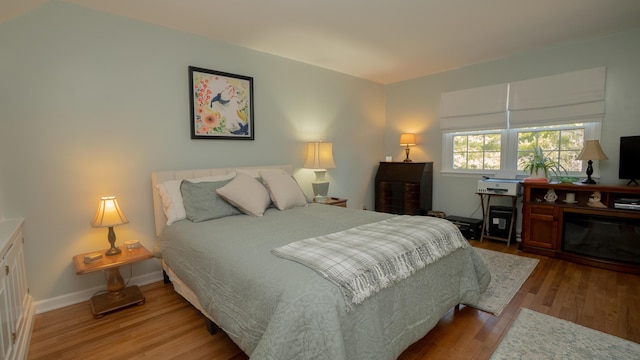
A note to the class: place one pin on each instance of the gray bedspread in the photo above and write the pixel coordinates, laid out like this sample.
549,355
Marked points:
274,308
365,259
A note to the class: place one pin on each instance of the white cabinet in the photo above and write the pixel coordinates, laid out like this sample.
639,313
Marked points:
16,305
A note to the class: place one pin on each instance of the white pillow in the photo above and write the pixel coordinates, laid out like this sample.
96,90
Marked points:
283,189
247,194
171,196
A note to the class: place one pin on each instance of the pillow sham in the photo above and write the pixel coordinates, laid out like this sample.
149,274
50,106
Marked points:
201,202
247,194
283,189
171,196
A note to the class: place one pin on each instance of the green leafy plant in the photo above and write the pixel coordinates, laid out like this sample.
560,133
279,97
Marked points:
540,162
568,179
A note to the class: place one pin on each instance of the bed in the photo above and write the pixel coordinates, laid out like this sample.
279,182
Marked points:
275,308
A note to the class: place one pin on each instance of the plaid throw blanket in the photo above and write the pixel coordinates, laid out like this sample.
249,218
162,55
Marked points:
365,259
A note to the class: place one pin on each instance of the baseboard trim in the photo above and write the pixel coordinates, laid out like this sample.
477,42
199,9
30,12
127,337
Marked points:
61,301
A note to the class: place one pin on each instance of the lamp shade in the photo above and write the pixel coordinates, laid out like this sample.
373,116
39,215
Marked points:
319,156
407,139
592,151
109,213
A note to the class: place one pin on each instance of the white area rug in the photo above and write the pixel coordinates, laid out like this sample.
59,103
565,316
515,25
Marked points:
508,273
538,336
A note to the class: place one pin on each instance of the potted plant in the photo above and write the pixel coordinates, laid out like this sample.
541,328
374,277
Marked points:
538,165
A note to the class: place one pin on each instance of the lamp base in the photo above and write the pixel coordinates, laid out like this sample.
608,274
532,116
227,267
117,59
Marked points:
407,152
320,189
113,251
319,199
589,180
321,185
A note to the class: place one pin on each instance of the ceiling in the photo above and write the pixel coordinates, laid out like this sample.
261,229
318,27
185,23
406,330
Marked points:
381,40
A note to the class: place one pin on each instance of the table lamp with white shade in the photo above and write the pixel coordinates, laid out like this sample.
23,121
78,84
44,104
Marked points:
591,151
320,158
407,140
109,215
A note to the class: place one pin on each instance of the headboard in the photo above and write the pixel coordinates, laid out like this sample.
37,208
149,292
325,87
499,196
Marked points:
159,177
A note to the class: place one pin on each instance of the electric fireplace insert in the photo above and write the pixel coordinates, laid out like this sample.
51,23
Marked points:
602,237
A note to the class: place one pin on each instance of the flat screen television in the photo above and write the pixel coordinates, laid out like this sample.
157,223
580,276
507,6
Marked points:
629,168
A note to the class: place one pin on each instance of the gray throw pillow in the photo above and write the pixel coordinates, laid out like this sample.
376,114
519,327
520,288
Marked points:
201,202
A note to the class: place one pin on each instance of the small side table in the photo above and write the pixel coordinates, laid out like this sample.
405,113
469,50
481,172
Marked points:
118,296
485,216
335,201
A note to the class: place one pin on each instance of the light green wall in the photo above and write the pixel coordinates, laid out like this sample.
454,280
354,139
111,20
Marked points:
91,104
413,105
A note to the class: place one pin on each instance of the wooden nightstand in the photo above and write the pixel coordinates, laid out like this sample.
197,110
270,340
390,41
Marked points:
118,296
335,202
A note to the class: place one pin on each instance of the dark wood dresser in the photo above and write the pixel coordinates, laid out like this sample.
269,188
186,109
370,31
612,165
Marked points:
404,188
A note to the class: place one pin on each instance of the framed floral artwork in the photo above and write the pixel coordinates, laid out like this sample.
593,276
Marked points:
221,105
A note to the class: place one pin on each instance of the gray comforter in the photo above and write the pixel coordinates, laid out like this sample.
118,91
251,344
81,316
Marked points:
279,309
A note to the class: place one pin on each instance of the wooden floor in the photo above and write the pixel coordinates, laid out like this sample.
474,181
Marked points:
167,327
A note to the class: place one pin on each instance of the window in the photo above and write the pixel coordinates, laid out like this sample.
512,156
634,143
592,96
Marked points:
489,151
561,144
476,151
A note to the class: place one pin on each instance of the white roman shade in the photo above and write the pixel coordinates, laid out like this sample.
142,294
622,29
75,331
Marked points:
474,109
558,99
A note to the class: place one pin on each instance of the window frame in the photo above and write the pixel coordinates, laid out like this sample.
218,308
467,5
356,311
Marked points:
509,150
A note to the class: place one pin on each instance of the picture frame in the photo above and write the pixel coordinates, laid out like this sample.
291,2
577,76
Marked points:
221,105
